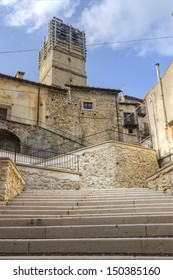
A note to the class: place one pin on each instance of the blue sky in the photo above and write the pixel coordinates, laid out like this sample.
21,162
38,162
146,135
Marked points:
126,66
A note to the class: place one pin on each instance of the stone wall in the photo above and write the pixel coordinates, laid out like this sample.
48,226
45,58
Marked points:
67,113
49,178
11,181
162,180
61,109
40,138
116,165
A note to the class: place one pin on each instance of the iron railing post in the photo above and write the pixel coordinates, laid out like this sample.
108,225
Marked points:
15,154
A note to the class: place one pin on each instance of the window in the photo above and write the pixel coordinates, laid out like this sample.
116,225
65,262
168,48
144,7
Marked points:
3,114
127,117
130,130
87,105
129,120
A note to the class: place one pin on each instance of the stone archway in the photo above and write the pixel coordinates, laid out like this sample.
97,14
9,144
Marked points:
9,141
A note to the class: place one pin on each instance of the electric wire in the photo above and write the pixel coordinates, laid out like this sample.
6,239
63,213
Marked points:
96,44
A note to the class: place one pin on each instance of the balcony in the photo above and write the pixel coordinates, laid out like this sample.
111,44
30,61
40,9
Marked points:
129,120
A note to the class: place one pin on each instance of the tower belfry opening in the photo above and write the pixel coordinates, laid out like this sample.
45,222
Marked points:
63,55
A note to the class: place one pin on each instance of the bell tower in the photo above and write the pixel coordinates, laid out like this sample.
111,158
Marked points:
63,55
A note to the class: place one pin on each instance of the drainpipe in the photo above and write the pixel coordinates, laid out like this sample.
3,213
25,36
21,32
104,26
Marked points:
162,93
38,106
157,132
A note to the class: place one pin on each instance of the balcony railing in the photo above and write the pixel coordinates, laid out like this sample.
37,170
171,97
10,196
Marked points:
27,155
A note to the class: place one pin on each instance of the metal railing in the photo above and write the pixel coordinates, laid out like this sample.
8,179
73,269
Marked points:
62,134
165,160
30,156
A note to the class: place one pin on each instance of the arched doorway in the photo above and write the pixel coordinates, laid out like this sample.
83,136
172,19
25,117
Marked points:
9,141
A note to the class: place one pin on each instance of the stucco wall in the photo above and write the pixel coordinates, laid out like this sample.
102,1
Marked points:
11,180
20,99
162,180
115,164
49,178
162,135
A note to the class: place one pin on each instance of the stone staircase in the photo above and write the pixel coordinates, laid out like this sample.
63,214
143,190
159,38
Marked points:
87,224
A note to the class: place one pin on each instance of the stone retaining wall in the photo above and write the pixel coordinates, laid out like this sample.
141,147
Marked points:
162,180
116,165
11,181
49,178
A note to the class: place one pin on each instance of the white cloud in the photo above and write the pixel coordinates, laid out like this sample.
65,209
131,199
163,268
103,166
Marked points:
33,14
118,20
102,20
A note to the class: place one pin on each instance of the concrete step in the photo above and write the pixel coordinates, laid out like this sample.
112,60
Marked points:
85,220
87,231
126,246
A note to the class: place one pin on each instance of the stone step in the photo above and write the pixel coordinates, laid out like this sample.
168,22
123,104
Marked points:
85,207
51,215
42,194
46,202
91,220
44,197
59,211
92,200
93,190
80,222
87,231
86,257
126,246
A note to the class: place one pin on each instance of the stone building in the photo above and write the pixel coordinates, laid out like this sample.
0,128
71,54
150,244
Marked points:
159,102
61,113
133,121
63,55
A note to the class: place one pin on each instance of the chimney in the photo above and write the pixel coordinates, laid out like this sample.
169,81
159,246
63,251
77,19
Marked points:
20,75
158,72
